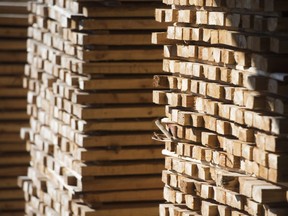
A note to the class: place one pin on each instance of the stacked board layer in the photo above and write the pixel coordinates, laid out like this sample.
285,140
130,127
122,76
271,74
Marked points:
226,107
90,79
14,158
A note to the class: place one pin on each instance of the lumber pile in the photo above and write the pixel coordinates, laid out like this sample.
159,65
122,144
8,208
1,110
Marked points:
226,107
90,80
14,159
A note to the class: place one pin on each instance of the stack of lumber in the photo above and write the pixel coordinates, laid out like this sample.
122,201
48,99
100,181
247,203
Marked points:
14,159
90,80
226,107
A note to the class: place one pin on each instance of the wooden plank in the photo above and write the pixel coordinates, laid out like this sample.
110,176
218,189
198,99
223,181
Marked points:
13,32
121,154
12,147
126,10
16,171
119,169
120,83
117,112
120,55
13,20
112,97
11,69
12,44
14,160
115,140
123,196
18,103
120,67
116,24
11,194
10,81
120,183
10,7
10,115
13,56
12,205
114,39
124,125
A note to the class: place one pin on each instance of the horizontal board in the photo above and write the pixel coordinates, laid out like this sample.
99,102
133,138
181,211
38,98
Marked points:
124,125
117,112
121,68
119,169
115,140
120,183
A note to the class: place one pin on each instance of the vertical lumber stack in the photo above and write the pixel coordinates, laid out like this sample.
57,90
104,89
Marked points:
14,159
90,80
226,107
